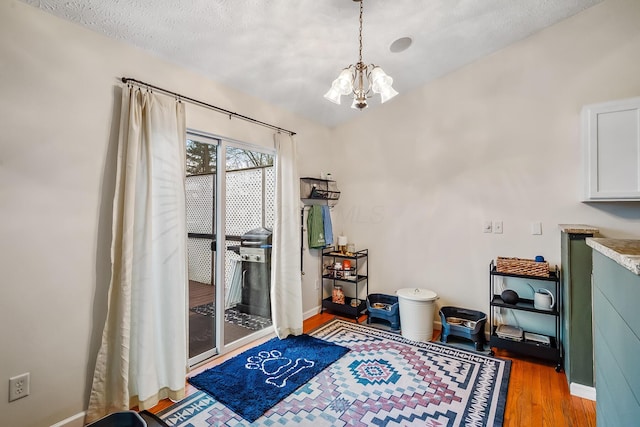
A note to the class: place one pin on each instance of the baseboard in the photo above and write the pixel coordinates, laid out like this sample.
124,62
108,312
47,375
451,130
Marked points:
582,391
310,313
76,420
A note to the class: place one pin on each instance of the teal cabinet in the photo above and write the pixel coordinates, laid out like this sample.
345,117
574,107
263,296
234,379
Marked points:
616,294
577,310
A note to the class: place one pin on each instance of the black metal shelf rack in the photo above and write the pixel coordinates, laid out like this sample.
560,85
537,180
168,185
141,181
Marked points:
315,191
358,281
553,351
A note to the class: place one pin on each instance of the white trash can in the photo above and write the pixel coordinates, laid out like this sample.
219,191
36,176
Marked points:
416,313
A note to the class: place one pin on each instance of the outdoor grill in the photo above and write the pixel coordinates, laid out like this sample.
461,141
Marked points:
255,253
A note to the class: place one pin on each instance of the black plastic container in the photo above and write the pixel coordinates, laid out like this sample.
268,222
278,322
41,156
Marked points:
120,419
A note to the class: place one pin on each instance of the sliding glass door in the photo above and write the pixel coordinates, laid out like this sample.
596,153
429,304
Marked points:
229,187
200,185
249,197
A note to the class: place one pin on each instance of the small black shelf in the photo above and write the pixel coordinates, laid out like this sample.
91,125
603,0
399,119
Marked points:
553,275
523,304
528,348
345,308
314,190
351,279
331,251
357,284
311,178
553,351
324,194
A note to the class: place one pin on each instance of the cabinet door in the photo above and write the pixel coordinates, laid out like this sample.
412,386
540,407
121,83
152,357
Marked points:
611,147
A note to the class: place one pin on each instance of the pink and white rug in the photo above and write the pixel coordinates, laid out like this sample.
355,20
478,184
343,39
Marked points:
385,380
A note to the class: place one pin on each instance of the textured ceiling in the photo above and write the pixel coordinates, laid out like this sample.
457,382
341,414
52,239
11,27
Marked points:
287,52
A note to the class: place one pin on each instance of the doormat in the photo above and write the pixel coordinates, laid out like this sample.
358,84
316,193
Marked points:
252,382
235,316
385,379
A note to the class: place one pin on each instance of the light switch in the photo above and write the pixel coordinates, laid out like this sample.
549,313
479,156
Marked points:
536,228
486,227
497,227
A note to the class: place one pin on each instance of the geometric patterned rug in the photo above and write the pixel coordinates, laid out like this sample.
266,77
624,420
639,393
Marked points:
385,380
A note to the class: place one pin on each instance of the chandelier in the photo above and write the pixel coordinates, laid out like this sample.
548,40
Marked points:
360,80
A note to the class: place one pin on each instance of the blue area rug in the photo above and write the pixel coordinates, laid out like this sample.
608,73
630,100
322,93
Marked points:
254,381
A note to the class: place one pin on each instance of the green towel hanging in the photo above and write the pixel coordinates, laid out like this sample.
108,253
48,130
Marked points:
315,227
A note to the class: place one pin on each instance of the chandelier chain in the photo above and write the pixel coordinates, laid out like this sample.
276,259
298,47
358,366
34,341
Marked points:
360,35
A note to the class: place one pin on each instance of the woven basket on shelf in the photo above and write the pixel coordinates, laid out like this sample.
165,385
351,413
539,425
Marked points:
525,267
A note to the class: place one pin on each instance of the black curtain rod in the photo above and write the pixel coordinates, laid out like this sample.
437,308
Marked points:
204,104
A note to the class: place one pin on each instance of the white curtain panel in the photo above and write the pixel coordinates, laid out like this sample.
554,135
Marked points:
286,282
143,357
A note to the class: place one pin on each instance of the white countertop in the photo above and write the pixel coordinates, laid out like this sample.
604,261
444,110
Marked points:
625,252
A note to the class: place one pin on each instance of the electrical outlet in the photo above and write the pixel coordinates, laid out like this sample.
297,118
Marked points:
497,227
486,227
18,387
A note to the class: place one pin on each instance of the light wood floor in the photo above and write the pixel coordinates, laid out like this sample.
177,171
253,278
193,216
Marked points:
538,396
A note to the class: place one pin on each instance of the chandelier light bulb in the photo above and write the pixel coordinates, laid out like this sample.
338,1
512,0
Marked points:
344,82
333,94
379,80
387,93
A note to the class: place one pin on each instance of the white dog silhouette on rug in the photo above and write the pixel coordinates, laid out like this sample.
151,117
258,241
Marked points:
277,368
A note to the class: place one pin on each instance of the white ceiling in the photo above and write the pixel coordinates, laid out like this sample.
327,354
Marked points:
287,52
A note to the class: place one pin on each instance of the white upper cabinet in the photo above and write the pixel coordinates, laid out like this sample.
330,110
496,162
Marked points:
611,150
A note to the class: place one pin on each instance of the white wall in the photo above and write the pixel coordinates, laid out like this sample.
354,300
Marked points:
496,140
59,118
